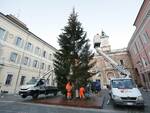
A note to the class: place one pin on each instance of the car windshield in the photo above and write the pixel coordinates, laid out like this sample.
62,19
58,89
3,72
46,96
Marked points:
123,84
32,81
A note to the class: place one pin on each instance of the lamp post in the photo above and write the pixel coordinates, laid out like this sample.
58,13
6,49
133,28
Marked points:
2,59
1,64
20,66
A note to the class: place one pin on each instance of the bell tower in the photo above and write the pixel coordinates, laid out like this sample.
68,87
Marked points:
103,41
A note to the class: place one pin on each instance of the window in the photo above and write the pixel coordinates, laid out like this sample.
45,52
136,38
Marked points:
37,51
26,60
121,61
41,82
44,54
2,33
35,63
143,76
134,50
22,81
8,79
50,57
139,45
42,65
13,57
145,38
28,46
32,81
144,61
18,42
123,84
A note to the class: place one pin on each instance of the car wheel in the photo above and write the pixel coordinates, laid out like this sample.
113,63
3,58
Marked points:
23,96
35,95
55,93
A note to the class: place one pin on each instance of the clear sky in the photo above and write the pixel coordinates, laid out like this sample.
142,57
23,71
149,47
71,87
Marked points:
46,18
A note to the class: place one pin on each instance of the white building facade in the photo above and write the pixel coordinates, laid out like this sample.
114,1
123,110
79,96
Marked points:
23,55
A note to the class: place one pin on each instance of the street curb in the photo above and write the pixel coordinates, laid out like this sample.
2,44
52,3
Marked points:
72,108
98,103
58,106
3,101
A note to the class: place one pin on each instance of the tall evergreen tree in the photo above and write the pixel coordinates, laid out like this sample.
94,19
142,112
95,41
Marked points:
73,59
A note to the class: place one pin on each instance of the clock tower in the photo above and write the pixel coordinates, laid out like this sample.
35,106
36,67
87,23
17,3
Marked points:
104,41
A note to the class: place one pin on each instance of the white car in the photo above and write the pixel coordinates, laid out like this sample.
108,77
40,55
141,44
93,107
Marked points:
123,91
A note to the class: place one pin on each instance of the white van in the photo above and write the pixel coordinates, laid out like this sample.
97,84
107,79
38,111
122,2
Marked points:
123,91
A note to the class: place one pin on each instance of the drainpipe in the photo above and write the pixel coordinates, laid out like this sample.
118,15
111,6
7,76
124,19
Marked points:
20,67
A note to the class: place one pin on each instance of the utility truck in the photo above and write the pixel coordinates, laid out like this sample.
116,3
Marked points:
122,89
37,86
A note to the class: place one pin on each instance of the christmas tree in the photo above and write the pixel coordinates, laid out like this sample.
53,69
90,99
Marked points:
73,60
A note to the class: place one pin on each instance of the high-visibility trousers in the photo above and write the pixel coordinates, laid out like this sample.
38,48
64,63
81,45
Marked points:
68,93
81,94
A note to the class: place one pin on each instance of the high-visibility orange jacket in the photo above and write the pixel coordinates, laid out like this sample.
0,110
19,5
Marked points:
68,87
82,90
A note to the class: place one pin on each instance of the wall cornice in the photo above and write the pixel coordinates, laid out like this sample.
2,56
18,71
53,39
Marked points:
27,31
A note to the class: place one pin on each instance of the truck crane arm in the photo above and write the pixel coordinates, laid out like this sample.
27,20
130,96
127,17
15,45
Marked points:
48,72
116,66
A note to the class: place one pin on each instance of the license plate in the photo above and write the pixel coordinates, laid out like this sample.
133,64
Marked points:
129,103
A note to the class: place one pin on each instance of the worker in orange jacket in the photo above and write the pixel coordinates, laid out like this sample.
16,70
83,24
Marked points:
81,92
68,88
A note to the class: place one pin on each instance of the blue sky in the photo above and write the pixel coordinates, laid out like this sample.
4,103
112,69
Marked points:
46,18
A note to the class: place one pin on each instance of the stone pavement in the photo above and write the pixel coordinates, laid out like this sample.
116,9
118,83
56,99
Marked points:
95,101
146,96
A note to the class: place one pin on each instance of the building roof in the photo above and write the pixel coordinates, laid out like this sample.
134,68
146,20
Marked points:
20,24
17,21
141,11
139,20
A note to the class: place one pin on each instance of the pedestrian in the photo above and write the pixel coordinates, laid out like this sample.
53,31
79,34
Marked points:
82,92
69,89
